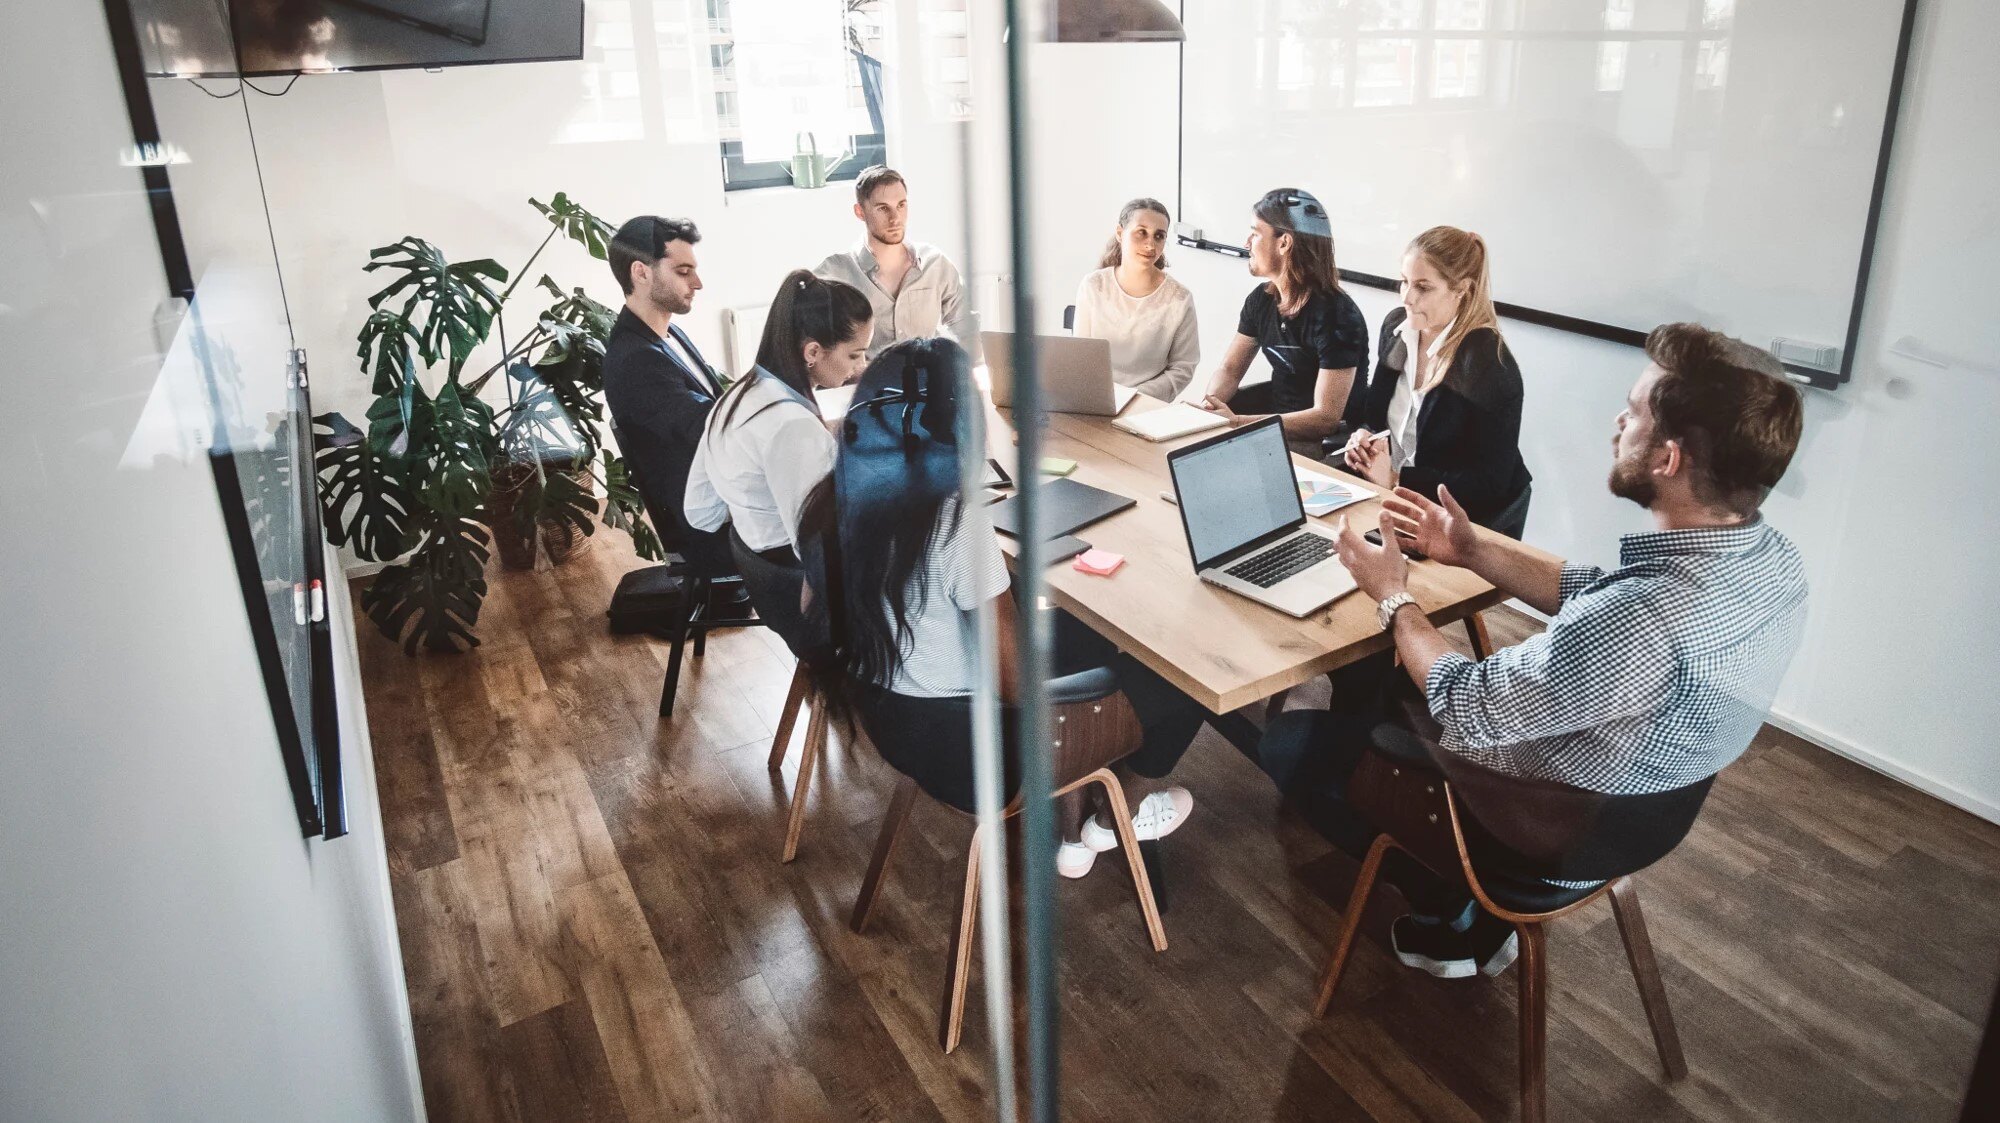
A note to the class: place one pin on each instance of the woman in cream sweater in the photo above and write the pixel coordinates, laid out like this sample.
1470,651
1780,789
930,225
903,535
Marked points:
1147,316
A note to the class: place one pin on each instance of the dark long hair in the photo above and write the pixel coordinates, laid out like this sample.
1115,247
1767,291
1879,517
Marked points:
866,530
807,307
1309,267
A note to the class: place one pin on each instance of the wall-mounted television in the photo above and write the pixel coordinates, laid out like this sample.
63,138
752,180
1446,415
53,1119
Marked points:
254,38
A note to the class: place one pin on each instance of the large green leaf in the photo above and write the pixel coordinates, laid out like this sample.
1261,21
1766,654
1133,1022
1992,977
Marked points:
385,350
462,448
367,497
457,304
625,510
549,417
592,232
434,598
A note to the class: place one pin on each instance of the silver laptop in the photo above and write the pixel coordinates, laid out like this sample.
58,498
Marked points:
1076,374
1246,525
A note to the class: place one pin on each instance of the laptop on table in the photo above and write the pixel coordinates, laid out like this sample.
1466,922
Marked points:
1076,374
1246,526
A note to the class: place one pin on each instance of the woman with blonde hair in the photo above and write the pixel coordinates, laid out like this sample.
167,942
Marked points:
1147,316
1443,409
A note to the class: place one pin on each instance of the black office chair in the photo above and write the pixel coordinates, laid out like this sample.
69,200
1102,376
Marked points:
1505,837
1069,317
705,583
1094,728
1512,521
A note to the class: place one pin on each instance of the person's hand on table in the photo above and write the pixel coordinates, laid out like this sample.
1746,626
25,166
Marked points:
1441,530
1367,456
1217,406
1381,571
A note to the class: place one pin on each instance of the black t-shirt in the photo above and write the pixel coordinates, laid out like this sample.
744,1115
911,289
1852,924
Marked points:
1328,333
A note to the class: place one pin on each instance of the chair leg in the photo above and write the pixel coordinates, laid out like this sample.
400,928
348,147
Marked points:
674,656
1475,631
1350,923
781,742
1149,908
885,848
1646,971
958,960
1533,982
795,822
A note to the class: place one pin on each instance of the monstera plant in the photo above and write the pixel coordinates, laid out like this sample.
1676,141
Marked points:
415,487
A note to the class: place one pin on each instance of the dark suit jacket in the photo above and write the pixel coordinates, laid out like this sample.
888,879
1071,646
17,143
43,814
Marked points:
1469,429
659,408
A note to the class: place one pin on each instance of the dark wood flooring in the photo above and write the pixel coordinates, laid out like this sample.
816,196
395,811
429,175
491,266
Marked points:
595,924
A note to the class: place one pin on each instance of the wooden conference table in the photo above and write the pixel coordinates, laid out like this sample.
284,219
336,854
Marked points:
1224,650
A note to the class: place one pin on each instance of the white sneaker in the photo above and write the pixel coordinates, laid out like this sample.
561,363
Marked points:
1074,859
1158,816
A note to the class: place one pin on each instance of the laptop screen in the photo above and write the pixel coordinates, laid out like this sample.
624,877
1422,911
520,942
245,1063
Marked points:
1236,489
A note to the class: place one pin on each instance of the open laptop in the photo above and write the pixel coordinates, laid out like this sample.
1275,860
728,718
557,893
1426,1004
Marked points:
1246,526
1076,374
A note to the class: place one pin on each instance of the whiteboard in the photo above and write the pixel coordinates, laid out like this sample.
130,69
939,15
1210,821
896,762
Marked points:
1629,162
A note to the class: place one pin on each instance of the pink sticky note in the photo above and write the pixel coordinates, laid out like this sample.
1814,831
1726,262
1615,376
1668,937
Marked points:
1103,563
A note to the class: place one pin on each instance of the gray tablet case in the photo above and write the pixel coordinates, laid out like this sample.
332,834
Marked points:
1067,507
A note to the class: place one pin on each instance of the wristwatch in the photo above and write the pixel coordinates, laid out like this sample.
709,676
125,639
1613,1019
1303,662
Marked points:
1386,611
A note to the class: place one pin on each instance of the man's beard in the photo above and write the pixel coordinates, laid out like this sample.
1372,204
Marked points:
674,304
1630,480
890,239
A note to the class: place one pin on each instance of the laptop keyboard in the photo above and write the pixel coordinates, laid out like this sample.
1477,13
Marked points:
1288,559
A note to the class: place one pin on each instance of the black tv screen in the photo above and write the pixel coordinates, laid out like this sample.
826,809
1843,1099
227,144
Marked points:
252,38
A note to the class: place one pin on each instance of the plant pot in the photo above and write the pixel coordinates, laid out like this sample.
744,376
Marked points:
516,547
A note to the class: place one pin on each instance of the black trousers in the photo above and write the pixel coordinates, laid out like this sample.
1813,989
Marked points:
1311,755
930,739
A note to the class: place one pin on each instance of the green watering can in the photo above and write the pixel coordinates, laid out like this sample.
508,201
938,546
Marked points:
809,167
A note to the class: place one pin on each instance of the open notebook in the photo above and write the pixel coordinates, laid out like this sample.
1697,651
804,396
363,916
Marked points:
1164,424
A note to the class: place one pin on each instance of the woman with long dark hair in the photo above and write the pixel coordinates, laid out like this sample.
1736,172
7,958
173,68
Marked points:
1146,315
1311,331
895,569
765,445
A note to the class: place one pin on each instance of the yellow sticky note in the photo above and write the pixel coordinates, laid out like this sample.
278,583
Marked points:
1057,466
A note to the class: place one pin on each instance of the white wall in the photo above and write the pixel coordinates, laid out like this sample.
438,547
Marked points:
1891,497
170,947
355,161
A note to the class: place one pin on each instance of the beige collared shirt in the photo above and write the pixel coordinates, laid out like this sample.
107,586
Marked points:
931,301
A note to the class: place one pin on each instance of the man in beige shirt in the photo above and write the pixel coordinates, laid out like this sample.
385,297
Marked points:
914,287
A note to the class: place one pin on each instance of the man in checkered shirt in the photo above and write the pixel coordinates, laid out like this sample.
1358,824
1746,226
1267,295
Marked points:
1650,677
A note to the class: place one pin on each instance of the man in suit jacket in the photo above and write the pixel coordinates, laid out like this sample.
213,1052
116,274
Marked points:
657,384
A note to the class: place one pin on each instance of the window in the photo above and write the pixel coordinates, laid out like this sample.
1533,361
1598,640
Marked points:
793,75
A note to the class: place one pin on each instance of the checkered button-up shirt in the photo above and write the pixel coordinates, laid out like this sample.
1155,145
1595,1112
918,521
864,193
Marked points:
1651,677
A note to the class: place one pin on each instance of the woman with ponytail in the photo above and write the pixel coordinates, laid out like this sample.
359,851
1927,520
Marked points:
896,568
1443,409
1147,316
765,446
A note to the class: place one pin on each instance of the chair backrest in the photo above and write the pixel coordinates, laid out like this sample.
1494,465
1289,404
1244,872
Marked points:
1563,833
1069,317
774,591
1512,520
1089,734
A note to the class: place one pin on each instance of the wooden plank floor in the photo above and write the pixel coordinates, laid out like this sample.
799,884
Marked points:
595,924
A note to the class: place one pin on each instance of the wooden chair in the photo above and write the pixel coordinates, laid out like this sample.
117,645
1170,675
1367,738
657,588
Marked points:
1094,727
1457,818
774,591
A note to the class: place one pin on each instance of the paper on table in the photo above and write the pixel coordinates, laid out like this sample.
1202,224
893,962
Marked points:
1324,495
